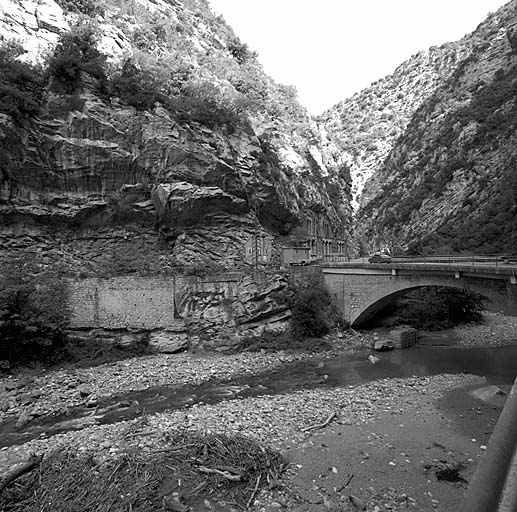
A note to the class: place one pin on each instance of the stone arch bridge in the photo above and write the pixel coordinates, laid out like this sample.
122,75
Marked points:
361,290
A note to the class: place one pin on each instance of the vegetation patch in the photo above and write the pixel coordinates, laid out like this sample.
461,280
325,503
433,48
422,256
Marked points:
272,342
33,311
313,309
190,471
433,308
87,7
75,54
21,86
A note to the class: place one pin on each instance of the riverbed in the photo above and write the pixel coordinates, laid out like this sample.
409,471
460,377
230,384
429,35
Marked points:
496,365
397,422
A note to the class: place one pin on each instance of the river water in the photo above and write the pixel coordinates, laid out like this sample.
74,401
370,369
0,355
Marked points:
498,365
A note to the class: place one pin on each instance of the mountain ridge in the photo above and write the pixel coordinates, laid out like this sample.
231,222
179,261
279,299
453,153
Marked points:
445,184
410,167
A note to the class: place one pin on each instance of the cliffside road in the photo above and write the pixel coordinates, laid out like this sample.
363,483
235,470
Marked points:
388,444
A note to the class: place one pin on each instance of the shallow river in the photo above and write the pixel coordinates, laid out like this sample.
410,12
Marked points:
498,365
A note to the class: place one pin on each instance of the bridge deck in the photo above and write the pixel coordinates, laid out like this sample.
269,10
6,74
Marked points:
475,268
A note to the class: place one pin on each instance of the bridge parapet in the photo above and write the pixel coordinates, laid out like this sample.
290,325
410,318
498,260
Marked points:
495,260
503,270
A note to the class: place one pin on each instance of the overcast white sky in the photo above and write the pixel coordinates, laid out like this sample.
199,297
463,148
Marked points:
330,49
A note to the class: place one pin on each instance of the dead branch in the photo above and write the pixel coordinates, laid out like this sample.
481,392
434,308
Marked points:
230,469
225,474
141,433
356,502
346,483
174,448
253,493
320,425
32,463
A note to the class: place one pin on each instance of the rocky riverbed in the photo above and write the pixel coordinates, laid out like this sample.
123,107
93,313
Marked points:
495,330
30,394
356,427
276,421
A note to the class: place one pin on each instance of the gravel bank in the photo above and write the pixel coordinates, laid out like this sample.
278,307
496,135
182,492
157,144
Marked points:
496,330
273,420
55,392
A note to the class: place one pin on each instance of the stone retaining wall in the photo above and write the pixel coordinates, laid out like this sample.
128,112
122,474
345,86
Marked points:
226,304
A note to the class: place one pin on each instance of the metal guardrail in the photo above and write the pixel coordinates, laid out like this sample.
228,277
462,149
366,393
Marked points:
493,488
449,260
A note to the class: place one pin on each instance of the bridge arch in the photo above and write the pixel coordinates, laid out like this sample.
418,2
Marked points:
361,292
377,304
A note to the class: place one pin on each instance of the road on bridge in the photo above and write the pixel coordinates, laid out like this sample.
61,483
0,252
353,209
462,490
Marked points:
453,261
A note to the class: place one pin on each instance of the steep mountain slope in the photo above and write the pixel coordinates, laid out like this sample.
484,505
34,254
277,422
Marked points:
145,134
366,126
450,182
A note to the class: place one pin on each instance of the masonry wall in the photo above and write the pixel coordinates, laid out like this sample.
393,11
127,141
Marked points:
123,302
204,304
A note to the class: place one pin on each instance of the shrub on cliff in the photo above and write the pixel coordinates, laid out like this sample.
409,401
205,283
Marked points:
87,7
143,82
21,86
312,307
136,86
76,53
203,102
33,311
240,51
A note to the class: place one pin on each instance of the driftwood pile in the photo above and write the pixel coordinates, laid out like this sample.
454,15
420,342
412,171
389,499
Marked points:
193,469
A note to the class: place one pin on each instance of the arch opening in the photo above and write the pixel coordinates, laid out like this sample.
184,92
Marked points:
442,306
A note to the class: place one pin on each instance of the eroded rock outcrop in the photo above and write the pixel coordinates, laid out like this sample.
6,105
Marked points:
168,153
91,178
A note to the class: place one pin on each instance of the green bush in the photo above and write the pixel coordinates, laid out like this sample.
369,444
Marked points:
87,7
75,53
136,87
204,103
33,312
21,85
432,308
512,39
240,51
142,84
313,310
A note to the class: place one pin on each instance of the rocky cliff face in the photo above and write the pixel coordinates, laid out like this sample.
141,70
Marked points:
101,178
449,183
366,126
431,147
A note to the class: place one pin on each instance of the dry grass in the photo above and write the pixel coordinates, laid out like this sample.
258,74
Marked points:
166,480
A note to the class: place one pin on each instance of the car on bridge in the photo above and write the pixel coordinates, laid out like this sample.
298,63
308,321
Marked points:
379,258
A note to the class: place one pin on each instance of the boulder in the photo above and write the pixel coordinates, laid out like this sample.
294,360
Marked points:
23,419
383,345
84,390
128,340
168,342
488,393
373,359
